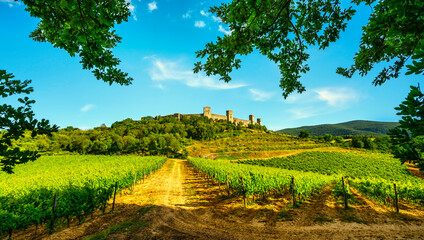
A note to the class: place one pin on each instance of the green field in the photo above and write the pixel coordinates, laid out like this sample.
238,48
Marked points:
260,180
349,164
82,184
373,174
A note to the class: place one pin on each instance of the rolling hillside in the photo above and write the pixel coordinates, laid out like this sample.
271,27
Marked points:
358,127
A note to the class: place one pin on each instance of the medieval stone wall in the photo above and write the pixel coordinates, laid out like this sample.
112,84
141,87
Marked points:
218,117
229,117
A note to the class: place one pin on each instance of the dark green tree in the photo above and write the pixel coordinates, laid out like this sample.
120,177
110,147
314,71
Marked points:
83,27
358,141
328,137
304,134
280,30
394,33
15,121
408,138
86,28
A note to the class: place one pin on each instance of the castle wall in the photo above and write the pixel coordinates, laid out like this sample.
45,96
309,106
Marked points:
244,122
207,112
218,117
229,117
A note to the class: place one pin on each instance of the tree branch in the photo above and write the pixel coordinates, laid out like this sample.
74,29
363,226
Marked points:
298,36
287,4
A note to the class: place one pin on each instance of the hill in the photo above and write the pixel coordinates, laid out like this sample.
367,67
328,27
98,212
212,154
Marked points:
358,127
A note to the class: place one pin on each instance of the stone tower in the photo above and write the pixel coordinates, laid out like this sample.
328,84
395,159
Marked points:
177,116
230,115
259,121
252,119
207,112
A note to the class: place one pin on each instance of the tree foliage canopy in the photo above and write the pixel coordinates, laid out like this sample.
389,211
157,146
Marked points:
283,30
15,121
83,27
408,138
395,31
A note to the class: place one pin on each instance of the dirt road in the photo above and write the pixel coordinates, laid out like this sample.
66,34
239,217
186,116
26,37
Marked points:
184,206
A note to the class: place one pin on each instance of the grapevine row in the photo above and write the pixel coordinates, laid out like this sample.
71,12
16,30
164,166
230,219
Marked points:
31,198
260,180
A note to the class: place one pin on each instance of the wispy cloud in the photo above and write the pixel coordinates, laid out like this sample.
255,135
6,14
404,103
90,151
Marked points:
152,6
165,71
199,24
206,14
337,97
216,19
258,95
131,7
11,3
223,30
321,101
305,112
187,14
87,108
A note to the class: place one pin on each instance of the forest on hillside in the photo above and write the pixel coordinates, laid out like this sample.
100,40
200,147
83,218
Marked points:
166,136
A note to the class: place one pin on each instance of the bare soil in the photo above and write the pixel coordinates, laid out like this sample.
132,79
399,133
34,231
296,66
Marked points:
184,205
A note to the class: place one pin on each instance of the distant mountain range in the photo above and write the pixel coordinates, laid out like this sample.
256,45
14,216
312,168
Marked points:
358,127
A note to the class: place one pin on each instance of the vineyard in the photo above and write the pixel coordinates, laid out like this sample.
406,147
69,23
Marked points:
349,164
373,174
55,189
259,180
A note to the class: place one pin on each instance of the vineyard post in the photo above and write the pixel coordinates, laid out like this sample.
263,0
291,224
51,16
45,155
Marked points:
244,193
293,191
144,174
114,196
53,213
219,183
135,179
396,198
344,194
228,185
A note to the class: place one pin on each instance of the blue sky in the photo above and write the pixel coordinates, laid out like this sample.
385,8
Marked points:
158,51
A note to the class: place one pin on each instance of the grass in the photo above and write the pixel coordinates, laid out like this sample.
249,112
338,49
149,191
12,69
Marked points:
128,226
348,217
322,219
285,215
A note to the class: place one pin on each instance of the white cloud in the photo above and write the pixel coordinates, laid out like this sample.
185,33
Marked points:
187,14
258,95
337,96
152,6
199,24
165,71
87,108
216,19
305,112
223,30
206,14
321,101
131,7
11,3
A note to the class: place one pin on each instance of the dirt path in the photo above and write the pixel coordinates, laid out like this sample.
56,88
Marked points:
184,206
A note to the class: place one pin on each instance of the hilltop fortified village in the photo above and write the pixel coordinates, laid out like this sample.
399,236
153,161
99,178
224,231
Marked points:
229,117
